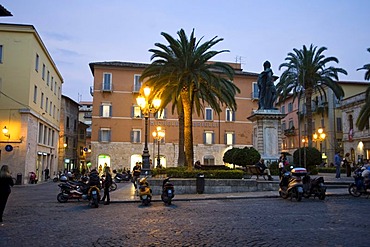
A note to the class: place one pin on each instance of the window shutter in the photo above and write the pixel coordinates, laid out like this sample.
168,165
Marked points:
110,110
225,138
165,113
99,137
132,112
233,138
213,138
109,135
233,116
204,138
101,110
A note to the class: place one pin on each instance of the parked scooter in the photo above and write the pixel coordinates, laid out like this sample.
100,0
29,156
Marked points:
121,177
314,187
168,191
145,192
361,186
291,184
71,190
93,195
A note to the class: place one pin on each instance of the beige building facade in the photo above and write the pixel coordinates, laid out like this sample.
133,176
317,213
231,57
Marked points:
30,97
118,126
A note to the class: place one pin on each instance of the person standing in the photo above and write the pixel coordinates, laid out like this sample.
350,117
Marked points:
136,171
6,181
107,184
348,163
337,163
46,172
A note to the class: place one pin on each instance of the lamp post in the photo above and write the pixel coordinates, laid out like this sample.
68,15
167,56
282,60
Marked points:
147,107
304,141
319,136
158,134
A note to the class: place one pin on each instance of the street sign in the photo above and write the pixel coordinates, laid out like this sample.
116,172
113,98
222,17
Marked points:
8,148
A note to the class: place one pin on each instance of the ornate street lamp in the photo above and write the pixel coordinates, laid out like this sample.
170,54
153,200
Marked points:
319,136
158,135
147,108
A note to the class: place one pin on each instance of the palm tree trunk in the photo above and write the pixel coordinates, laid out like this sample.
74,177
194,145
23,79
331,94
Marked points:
188,129
309,115
181,156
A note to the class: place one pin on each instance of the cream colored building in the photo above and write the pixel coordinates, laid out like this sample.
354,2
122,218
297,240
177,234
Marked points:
118,127
30,98
355,142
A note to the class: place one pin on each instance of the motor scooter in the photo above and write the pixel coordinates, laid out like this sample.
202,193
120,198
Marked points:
291,184
121,177
361,186
145,192
71,190
93,195
168,191
314,187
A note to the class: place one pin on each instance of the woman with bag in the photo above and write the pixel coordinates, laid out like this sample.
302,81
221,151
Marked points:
6,181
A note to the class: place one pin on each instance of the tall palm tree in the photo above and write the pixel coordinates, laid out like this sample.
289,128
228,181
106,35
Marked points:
363,118
307,71
181,73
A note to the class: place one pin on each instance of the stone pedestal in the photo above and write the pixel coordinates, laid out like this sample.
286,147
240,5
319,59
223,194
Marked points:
267,133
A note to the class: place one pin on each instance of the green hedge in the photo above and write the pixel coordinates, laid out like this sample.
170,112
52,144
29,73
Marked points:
330,170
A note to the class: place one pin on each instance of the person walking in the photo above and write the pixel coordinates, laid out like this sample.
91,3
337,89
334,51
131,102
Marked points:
107,184
337,164
6,181
348,163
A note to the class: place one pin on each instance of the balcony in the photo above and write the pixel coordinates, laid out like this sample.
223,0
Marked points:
290,131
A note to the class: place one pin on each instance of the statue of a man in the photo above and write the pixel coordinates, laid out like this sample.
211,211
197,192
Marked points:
267,89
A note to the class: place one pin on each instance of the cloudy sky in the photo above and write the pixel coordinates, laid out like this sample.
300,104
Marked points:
78,32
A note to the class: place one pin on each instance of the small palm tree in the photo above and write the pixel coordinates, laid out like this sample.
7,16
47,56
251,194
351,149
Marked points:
363,118
181,73
307,71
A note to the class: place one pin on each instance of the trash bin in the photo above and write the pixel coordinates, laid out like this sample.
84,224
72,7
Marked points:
200,183
19,179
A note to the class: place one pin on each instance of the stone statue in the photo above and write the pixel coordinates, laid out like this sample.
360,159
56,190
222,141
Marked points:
267,89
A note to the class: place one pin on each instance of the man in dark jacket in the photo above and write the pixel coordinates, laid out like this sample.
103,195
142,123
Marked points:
264,170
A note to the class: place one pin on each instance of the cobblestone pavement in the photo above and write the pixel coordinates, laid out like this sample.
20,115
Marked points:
33,217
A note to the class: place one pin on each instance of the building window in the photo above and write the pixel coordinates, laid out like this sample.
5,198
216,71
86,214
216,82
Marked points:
48,78
230,115
37,62
46,105
55,88
283,126
1,54
43,71
104,135
54,111
209,160
106,110
283,109
255,91
136,136
161,114
209,137
41,131
52,83
107,82
209,114
42,101
339,124
51,107
67,123
35,94
291,124
229,138
136,112
290,107
137,83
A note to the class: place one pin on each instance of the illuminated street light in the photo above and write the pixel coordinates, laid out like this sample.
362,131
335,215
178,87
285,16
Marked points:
147,107
319,136
158,135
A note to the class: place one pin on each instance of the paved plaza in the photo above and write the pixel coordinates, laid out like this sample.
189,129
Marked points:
33,217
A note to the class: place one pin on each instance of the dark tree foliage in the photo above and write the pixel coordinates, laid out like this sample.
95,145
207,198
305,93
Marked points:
242,156
312,155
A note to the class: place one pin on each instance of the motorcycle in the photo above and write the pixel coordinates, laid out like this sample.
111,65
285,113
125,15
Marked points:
291,184
168,191
145,192
71,190
360,186
121,177
314,187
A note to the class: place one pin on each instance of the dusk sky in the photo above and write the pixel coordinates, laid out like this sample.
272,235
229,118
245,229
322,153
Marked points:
77,33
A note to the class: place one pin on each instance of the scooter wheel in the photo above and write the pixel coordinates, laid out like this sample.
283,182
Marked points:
61,198
354,191
283,195
322,196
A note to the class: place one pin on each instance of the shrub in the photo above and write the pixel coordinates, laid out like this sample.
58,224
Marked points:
313,158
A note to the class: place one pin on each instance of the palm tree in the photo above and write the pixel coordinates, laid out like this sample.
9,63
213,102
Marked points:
363,118
181,73
307,72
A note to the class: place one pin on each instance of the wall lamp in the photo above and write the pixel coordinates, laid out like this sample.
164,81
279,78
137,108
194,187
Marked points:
5,132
